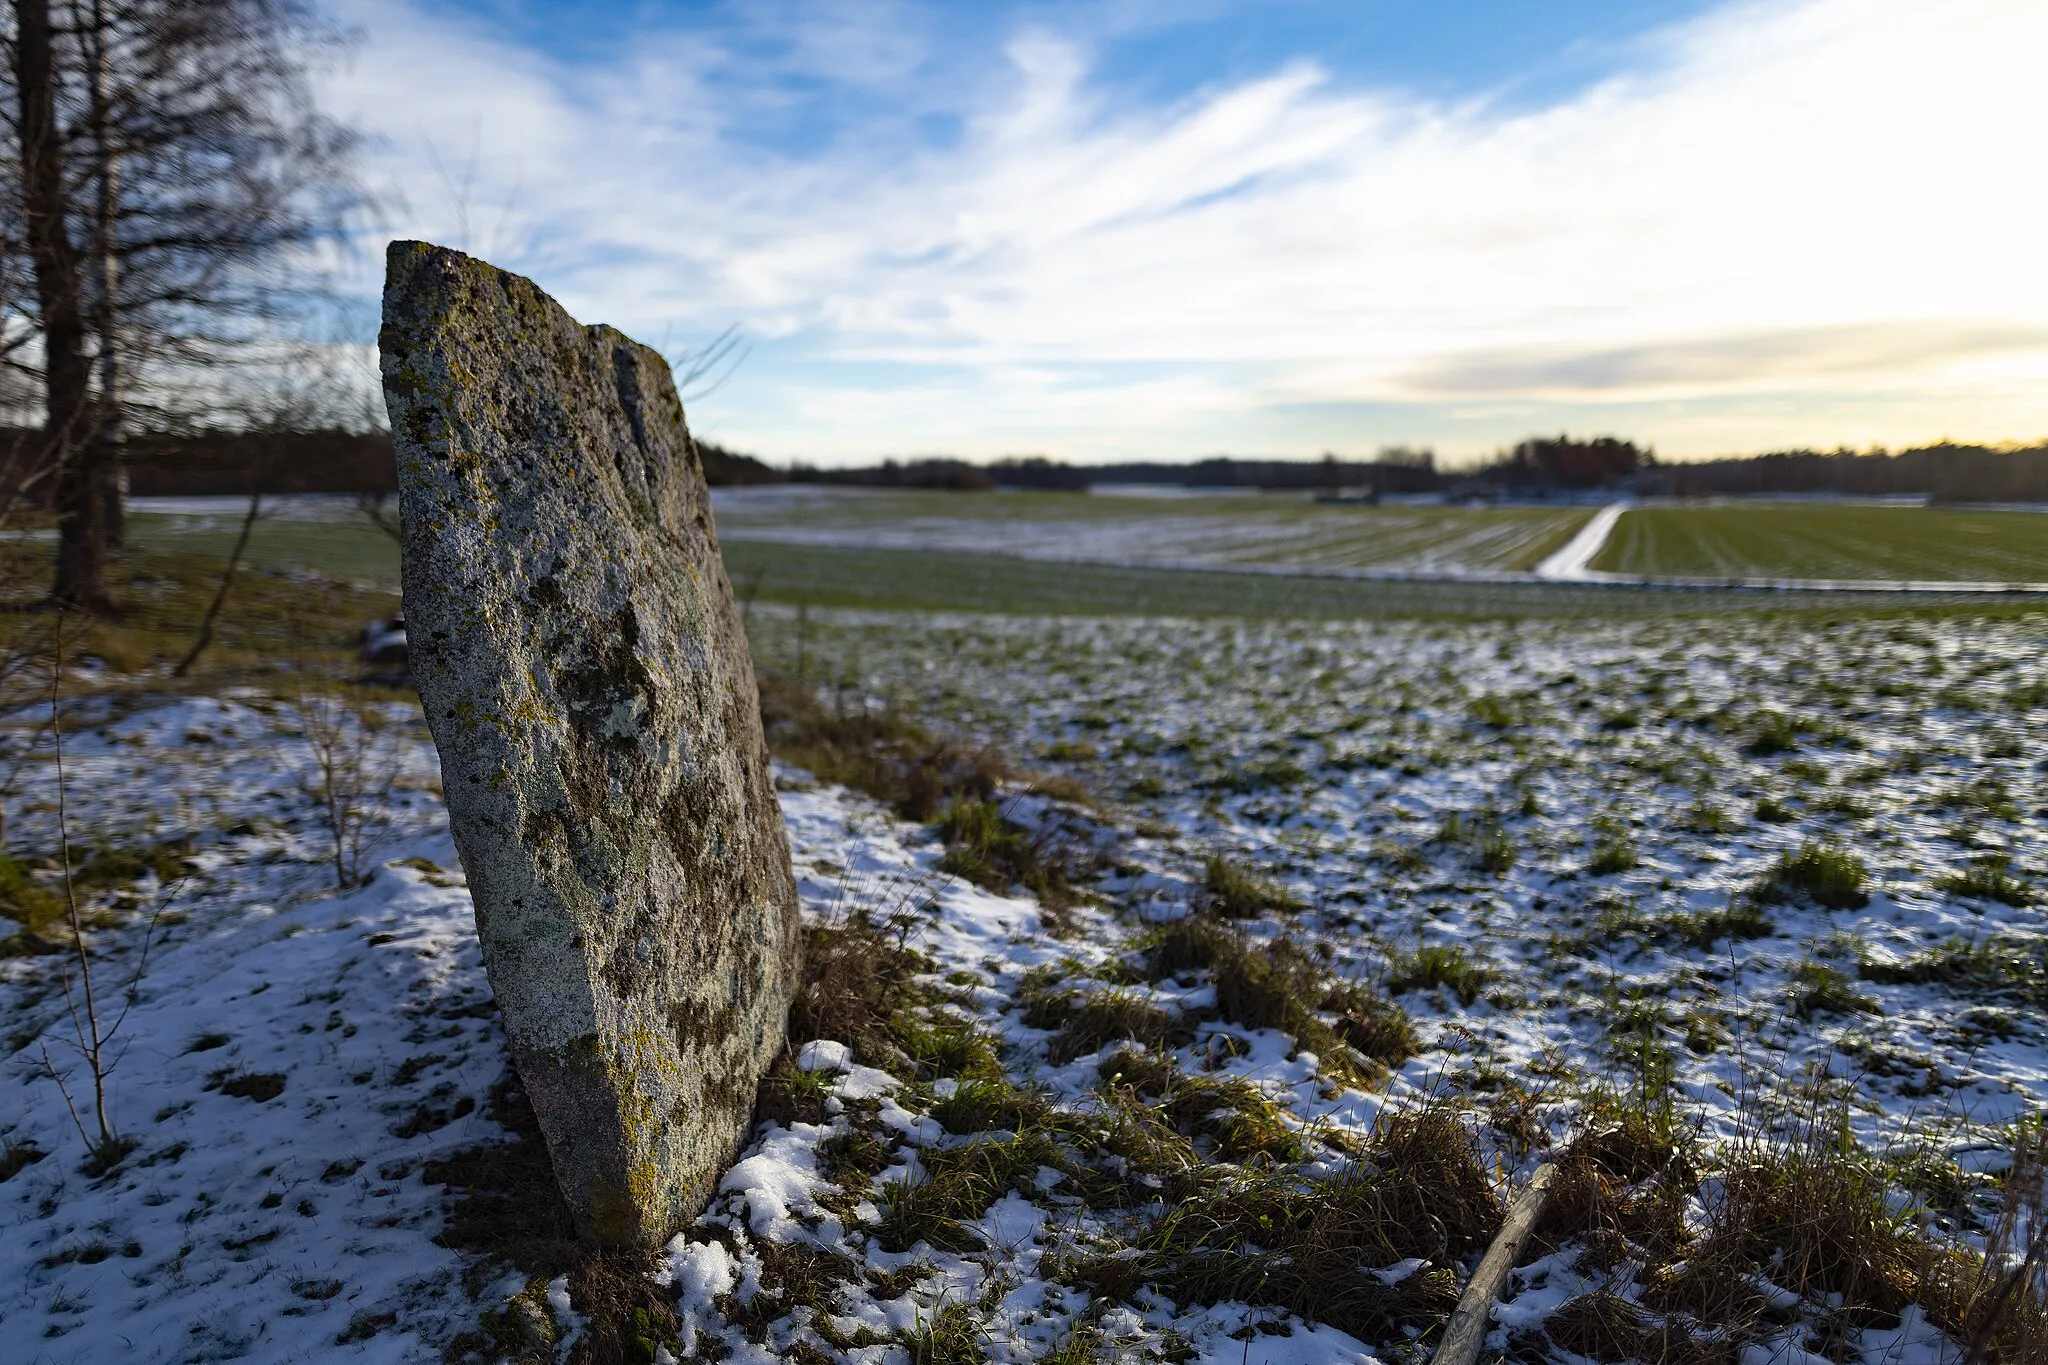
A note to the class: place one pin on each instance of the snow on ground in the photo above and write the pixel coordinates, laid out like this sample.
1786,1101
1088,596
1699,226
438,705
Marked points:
294,1057
1545,839
1578,809
290,1059
1570,563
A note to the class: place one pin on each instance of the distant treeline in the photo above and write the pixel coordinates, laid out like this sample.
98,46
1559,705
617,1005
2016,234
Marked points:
1944,472
1544,464
1538,467
197,464
237,463
728,468
1397,471
1535,465
213,463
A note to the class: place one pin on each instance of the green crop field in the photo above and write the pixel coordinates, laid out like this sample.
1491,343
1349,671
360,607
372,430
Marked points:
350,549
930,581
1830,541
347,548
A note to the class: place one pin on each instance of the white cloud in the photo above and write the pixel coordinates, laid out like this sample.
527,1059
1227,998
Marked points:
1796,209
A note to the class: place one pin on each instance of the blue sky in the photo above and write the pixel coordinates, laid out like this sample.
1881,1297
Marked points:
1501,50
1139,230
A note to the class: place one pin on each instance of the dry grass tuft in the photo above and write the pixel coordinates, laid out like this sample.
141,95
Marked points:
1235,1120
1309,1244
959,1184
1606,1327
878,752
1086,1020
1276,985
1234,892
861,986
990,850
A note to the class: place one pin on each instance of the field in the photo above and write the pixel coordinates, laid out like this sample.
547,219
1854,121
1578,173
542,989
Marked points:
911,580
1714,884
328,537
324,536
1830,541
1216,531
1233,943
1220,556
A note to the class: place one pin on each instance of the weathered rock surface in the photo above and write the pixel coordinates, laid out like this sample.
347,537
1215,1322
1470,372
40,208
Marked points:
584,671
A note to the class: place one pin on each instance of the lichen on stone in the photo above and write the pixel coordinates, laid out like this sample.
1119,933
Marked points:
581,661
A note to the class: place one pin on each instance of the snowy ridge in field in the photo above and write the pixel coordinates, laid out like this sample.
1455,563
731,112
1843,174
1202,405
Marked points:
1569,563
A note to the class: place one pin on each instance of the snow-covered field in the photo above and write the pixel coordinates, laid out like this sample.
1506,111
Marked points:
1571,852
1278,530
1376,770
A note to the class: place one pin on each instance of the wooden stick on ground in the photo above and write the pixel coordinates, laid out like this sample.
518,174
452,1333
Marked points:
1466,1332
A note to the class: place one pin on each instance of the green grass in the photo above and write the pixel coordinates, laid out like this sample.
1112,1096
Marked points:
1830,541
1989,878
1741,920
923,580
1834,877
1235,893
1438,964
926,580
347,548
270,621
1821,989
2012,967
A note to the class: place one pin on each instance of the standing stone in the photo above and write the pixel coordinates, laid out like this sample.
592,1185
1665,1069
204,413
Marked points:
584,672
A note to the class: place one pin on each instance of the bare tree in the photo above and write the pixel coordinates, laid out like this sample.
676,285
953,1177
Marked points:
176,185
381,511
46,203
106,434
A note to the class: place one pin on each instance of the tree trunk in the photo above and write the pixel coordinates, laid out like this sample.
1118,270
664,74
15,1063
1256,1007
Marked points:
81,491
107,433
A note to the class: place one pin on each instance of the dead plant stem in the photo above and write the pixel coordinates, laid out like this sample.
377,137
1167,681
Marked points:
91,1041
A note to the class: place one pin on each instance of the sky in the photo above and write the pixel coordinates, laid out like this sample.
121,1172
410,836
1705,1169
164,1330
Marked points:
1136,230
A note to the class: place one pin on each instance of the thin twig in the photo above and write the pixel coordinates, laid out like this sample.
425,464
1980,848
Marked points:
130,992
220,598
65,1091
